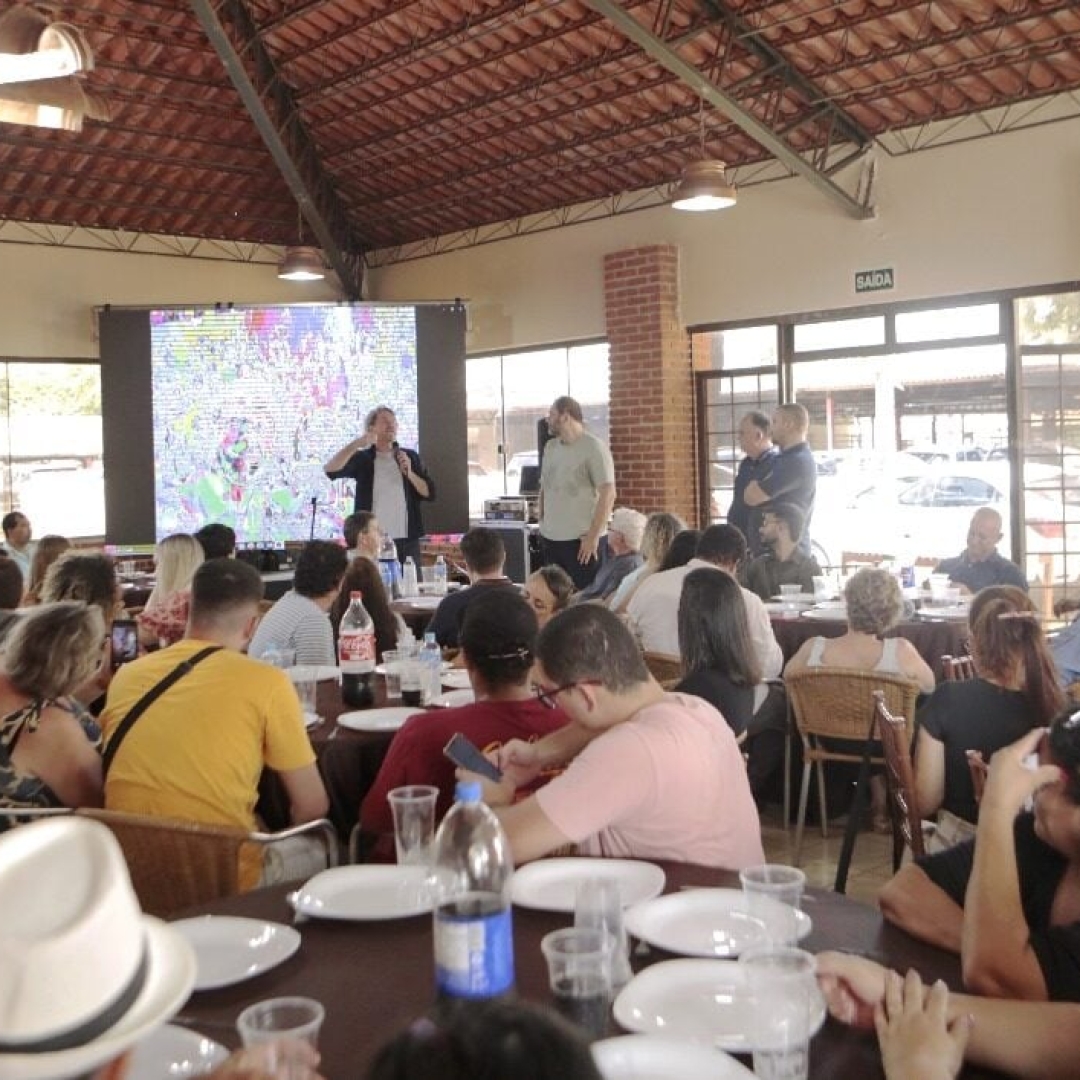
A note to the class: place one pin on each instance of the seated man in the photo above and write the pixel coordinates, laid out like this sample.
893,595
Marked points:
1009,901
11,594
197,751
498,637
623,555
484,554
650,775
782,562
979,564
17,541
218,541
654,608
300,620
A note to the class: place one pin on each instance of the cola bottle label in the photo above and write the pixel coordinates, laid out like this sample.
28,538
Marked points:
357,650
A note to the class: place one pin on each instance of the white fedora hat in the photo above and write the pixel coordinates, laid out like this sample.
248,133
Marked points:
83,973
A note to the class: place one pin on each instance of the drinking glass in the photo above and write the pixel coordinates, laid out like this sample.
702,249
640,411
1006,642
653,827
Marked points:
392,667
773,893
306,680
413,807
579,972
278,657
286,1018
598,905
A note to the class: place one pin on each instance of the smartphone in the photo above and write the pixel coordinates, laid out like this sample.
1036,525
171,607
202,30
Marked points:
125,642
465,755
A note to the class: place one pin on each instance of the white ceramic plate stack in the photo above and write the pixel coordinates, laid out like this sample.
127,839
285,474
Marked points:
552,884
365,893
229,950
174,1053
654,1057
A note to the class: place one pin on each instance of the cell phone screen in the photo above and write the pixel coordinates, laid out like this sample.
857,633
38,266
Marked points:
466,756
125,642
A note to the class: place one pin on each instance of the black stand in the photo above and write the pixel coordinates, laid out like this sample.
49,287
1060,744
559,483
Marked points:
855,814
314,504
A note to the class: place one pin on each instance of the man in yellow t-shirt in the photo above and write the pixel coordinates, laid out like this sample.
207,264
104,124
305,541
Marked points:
197,752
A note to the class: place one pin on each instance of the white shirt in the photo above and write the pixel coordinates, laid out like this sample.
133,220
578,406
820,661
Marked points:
654,617
388,495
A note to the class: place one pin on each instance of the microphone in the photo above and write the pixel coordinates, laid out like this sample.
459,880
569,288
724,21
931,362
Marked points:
394,446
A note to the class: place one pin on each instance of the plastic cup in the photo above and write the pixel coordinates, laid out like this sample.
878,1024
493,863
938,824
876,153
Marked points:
286,1018
306,680
939,588
392,665
413,808
413,680
278,657
598,905
773,893
789,1009
579,973
822,587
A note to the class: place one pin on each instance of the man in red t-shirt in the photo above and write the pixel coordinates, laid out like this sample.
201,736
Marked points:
497,640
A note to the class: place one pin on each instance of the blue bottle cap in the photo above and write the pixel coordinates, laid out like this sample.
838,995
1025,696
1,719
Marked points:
467,791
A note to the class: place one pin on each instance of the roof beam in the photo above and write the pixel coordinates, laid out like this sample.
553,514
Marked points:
273,110
761,133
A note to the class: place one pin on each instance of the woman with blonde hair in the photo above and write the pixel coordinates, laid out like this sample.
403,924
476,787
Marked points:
660,530
49,549
48,743
164,619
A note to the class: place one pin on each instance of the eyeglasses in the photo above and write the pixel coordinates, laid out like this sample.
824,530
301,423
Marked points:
547,697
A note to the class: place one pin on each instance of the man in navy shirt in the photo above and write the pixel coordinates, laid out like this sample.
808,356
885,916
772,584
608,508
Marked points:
755,443
980,565
793,475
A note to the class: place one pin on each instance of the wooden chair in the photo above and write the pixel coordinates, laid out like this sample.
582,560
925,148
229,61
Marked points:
838,703
666,669
957,668
895,735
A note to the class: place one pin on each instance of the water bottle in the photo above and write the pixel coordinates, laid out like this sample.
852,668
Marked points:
432,657
474,941
356,652
389,567
408,584
440,576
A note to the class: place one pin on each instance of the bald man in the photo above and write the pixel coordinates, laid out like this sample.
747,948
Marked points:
980,565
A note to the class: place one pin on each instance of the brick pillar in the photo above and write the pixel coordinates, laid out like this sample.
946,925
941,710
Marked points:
652,390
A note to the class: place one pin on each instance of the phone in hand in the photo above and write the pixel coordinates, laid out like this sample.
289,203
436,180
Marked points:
124,641
465,755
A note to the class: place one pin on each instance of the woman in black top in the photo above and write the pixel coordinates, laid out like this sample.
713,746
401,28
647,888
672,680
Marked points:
714,640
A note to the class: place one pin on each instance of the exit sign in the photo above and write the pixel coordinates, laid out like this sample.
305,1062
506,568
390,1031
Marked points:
874,280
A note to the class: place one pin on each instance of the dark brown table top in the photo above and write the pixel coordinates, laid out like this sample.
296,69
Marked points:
375,978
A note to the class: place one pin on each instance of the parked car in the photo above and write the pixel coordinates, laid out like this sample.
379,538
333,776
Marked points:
483,484
513,469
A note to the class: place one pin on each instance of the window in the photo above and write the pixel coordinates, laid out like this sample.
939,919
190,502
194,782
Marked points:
944,324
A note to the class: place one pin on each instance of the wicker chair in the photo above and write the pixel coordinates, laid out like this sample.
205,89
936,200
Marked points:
838,703
957,668
895,735
666,669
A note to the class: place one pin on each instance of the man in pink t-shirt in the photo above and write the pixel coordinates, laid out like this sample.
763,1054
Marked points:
649,774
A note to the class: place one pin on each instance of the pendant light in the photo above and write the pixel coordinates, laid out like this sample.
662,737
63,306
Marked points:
301,262
704,184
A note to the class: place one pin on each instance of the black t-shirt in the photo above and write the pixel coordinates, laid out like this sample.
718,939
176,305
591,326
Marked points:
972,715
736,703
450,614
1040,869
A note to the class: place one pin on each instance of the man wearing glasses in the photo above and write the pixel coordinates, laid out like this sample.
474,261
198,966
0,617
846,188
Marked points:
648,774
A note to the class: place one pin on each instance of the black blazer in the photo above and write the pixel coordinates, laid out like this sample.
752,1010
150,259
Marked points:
361,468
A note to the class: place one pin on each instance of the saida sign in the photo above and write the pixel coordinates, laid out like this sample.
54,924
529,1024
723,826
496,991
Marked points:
874,280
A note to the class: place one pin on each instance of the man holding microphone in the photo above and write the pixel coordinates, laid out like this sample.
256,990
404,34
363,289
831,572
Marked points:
390,482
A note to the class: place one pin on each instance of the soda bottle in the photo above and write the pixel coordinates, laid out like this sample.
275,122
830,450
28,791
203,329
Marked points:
356,653
474,941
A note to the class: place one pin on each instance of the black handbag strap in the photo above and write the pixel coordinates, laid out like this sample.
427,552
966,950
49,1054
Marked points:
148,699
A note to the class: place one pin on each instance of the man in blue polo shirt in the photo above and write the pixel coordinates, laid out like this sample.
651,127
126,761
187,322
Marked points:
979,565
793,475
757,446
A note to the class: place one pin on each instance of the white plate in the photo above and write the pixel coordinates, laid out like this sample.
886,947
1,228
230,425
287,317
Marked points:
431,602
829,614
654,1057
706,922
312,720
457,678
801,598
785,609
702,1001
387,719
173,1052
551,884
453,699
322,671
364,893
380,669
229,950
952,612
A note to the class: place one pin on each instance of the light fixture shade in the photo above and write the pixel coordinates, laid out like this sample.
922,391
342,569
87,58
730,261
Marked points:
704,186
301,263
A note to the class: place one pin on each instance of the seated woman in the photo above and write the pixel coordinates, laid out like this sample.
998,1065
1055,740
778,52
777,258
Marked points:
363,575
681,549
48,744
1009,901
497,640
714,641
548,591
660,530
1015,691
163,620
874,606
87,576
48,550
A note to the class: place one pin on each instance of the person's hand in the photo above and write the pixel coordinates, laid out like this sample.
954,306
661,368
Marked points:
404,464
1009,782
587,548
852,986
917,1040
494,793
978,768
268,1061
519,762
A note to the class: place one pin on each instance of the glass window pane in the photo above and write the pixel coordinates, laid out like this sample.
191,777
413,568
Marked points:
840,334
1049,320
531,382
54,447
733,350
483,402
944,324
589,384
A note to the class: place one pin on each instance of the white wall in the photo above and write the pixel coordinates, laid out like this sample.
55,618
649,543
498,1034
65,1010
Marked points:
48,294
996,213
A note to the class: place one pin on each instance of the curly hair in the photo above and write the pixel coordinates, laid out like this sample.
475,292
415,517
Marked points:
87,576
874,601
54,649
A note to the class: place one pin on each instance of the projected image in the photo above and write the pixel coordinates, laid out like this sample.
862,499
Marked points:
248,404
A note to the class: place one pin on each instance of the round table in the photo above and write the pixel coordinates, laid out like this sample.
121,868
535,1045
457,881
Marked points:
374,978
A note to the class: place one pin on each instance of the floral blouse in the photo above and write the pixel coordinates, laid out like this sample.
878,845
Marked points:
168,621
